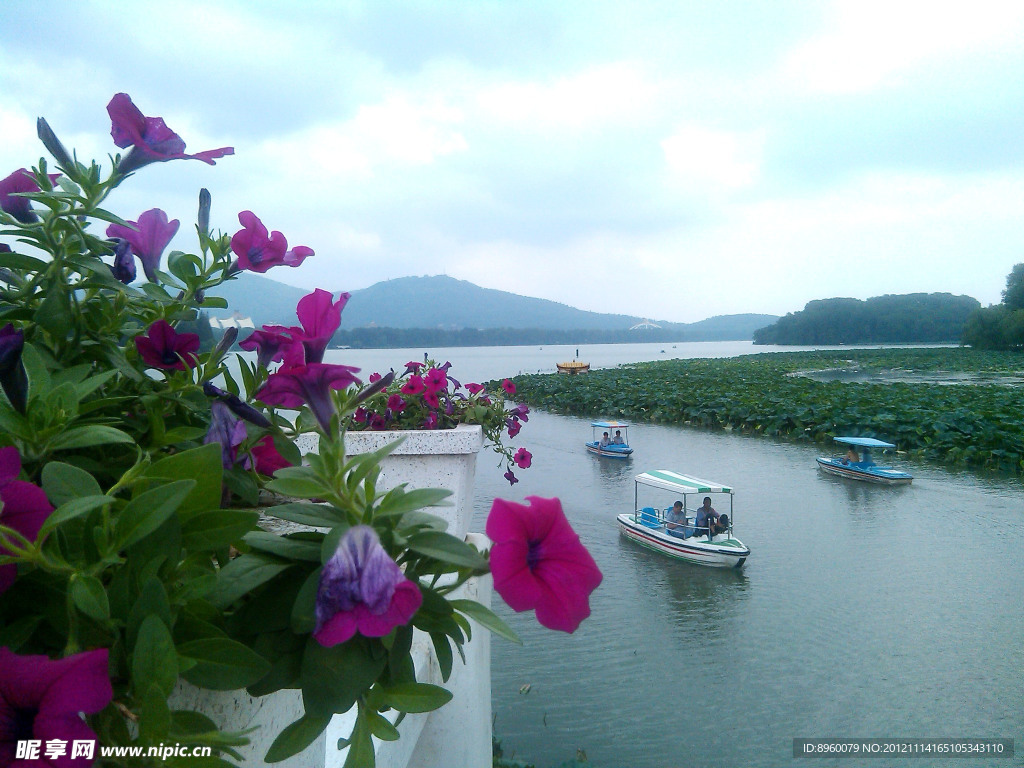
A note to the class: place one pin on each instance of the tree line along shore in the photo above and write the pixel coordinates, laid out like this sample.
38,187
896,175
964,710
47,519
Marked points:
956,406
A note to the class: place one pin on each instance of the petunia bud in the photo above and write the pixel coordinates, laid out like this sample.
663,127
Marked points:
13,379
204,210
124,262
52,143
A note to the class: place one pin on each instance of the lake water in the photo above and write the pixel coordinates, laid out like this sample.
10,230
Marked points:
863,611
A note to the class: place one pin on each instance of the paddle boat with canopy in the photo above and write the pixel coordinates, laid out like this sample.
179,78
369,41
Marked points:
617,446
651,527
857,464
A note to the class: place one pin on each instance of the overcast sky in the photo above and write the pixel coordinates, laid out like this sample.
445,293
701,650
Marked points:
674,160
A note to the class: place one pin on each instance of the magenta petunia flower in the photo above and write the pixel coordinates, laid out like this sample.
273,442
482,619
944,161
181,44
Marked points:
430,398
21,180
377,422
295,386
13,378
42,699
414,385
511,477
258,250
430,422
523,458
538,562
270,344
25,509
475,389
148,237
165,348
150,139
319,315
513,427
435,380
412,367
268,459
362,590
396,403
508,386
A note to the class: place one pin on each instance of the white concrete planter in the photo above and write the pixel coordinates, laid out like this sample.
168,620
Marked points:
459,734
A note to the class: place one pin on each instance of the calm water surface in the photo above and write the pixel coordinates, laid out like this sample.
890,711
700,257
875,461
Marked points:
863,611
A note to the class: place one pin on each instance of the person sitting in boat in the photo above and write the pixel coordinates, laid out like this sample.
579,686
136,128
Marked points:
852,457
676,522
707,518
605,442
617,440
720,525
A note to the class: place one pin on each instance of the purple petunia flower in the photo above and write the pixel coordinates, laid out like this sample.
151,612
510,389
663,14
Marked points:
13,379
319,315
539,563
226,429
150,139
523,458
430,422
25,509
165,348
295,386
41,699
362,590
21,180
510,476
513,426
258,250
521,412
148,238
270,344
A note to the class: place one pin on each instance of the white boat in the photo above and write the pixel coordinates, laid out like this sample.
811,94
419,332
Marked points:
860,466
649,526
615,430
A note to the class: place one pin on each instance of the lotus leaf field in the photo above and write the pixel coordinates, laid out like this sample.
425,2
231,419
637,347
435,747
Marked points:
943,418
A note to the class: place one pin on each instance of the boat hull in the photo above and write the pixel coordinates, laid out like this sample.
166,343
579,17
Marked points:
611,451
720,552
872,474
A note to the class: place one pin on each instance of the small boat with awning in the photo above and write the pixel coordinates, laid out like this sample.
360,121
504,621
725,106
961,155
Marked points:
573,367
691,533
858,463
613,441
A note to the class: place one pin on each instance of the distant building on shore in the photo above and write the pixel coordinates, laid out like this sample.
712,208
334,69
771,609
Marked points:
235,321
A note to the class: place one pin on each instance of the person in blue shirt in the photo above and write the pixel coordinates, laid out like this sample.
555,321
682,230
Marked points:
676,522
707,519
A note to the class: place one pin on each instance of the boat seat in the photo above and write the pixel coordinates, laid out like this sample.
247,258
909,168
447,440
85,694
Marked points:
649,517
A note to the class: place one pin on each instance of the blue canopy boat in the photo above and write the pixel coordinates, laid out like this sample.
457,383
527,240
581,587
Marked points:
616,431
861,466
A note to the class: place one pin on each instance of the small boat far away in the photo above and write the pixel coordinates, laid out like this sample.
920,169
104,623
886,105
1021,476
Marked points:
695,533
613,442
860,466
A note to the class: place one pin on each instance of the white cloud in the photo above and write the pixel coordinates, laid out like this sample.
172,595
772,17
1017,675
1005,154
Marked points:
699,156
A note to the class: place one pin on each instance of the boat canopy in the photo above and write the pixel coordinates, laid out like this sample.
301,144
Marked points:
609,424
673,481
864,442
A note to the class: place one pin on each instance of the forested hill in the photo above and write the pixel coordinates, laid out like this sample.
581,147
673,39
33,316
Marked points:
440,310
890,319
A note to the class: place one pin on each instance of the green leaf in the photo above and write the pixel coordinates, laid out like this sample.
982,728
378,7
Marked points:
152,601
360,745
92,434
222,664
202,465
209,531
382,728
297,736
154,661
398,501
447,548
290,547
486,618
415,697
298,487
148,511
64,482
334,678
72,509
304,608
89,596
244,574
13,635
304,513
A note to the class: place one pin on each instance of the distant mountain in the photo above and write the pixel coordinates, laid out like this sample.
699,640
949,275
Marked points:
444,303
